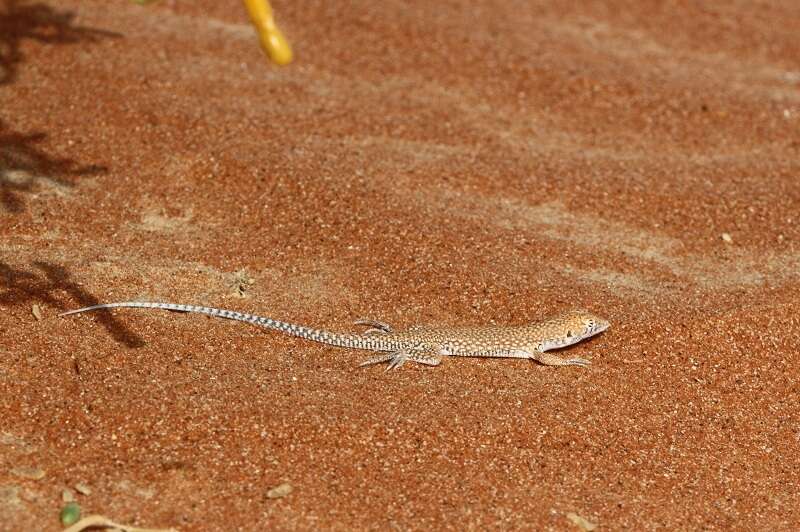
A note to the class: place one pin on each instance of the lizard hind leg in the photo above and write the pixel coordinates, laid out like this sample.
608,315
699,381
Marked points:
395,359
398,358
375,327
380,359
549,359
428,359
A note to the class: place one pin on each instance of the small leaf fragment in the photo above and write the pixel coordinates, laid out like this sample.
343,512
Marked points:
70,513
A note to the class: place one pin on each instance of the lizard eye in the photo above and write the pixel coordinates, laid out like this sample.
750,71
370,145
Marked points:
569,334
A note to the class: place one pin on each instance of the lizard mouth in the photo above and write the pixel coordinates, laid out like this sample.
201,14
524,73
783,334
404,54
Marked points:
598,327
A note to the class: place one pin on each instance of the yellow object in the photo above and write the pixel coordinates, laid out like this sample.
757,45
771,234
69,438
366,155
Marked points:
272,40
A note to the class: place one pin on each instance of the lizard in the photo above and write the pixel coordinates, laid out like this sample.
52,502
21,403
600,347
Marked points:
421,344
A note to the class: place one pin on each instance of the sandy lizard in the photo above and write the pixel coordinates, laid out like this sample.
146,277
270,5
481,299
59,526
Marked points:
426,345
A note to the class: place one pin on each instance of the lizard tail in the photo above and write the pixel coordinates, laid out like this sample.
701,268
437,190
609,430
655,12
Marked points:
317,335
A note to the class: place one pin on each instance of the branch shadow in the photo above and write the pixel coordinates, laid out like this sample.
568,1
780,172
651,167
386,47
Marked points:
22,163
23,166
19,286
20,19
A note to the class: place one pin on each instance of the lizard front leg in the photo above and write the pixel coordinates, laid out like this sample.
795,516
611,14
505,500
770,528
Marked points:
549,359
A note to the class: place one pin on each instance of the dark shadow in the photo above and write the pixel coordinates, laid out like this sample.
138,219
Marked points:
21,19
23,165
18,287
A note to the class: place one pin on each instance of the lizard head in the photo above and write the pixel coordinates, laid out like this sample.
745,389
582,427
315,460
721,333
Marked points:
590,323
572,327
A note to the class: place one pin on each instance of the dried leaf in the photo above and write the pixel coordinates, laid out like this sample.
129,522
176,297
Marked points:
95,521
580,522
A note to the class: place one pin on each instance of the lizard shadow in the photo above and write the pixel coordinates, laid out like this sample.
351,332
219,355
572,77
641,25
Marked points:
20,286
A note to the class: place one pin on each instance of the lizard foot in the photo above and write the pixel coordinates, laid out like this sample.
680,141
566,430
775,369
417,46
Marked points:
550,359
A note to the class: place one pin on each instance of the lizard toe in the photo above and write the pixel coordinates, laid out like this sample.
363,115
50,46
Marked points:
397,360
374,326
582,362
377,360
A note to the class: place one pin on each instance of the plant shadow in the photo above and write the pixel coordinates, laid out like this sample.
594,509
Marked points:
20,286
23,166
21,20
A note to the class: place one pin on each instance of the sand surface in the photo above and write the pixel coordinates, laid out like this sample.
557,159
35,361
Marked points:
438,163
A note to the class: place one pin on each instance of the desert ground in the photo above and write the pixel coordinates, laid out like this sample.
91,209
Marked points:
421,163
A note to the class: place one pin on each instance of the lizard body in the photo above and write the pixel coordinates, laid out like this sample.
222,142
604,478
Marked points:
425,345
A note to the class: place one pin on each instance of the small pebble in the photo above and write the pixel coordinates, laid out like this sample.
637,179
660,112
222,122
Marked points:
37,312
83,489
6,438
280,491
727,238
9,495
31,473
67,495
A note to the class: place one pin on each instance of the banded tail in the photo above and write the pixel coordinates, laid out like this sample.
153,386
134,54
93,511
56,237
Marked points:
353,341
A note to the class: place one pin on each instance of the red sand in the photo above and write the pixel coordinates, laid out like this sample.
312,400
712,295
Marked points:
432,163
